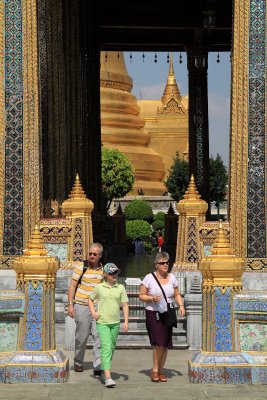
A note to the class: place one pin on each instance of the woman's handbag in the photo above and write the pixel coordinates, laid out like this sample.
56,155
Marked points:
171,312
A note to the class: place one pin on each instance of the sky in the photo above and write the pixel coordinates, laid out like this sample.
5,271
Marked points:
149,79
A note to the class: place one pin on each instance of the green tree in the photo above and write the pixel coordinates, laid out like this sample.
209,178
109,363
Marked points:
139,209
218,181
117,176
137,229
178,178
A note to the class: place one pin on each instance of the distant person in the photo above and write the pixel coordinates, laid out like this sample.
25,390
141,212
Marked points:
160,334
138,246
160,242
110,296
81,286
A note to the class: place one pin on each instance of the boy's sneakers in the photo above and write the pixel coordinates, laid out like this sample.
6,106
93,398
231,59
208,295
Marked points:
109,383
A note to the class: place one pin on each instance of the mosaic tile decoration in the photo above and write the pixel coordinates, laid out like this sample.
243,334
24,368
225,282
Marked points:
228,368
33,334
256,214
192,255
34,367
253,336
223,340
58,250
13,207
9,335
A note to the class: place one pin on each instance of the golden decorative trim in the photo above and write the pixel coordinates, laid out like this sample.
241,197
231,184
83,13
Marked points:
31,134
239,128
2,122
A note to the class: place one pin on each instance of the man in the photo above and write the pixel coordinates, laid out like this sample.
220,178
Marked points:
78,295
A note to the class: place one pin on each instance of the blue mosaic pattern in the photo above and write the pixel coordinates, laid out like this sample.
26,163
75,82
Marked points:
260,306
227,368
256,235
13,212
223,340
26,367
33,334
11,304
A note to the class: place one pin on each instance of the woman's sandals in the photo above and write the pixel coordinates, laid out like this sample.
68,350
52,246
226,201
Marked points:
162,378
154,376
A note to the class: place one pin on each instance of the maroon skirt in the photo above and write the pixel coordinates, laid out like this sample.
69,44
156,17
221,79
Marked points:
158,331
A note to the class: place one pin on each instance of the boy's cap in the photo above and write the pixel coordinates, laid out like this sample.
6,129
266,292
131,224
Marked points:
111,268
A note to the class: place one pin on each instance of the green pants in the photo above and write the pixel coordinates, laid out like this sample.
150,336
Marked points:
108,335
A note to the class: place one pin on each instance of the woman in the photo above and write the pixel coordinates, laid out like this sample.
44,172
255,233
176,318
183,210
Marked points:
159,333
111,296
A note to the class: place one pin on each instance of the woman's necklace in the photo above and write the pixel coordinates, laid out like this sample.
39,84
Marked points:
161,277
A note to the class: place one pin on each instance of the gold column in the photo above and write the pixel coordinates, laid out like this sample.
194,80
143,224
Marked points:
192,211
36,276
239,128
222,272
31,134
79,209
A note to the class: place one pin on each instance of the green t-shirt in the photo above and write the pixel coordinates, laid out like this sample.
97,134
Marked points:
109,301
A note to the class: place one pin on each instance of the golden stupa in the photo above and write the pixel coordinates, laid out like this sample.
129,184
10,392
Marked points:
166,121
123,128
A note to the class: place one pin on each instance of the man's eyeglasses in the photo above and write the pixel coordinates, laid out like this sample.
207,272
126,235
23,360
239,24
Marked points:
163,262
93,254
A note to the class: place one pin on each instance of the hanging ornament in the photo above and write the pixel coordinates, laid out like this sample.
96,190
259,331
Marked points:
180,59
218,58
168,58
131,57
156,58
143,56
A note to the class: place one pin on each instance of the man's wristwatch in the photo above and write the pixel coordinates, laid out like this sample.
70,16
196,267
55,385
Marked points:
70,303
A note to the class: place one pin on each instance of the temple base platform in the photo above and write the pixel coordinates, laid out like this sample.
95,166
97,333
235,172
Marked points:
33,367
228,368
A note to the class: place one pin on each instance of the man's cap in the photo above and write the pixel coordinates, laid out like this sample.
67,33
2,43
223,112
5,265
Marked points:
111,268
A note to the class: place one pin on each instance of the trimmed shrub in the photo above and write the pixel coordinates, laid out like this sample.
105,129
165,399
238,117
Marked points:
137,229
159,216
158,224
139,210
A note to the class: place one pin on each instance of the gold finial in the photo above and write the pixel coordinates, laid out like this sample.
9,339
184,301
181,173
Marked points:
222,244
77,191
192,192
171,88
35,246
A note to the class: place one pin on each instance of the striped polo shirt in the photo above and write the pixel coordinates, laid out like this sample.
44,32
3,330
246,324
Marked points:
90,279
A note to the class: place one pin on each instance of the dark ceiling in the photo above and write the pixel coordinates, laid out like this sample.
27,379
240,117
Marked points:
170,25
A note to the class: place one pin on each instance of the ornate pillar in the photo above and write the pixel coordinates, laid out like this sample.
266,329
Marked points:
197,64
248,166
19,126
222,272
36,276
192,211
79,209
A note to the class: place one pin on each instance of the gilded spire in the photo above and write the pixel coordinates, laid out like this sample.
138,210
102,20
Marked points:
171,88
221,245
77,191
192,192
35,246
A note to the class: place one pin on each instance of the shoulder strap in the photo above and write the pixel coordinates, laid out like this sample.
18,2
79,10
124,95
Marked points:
160,287
85,266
